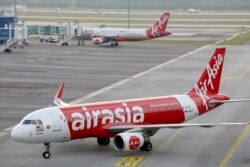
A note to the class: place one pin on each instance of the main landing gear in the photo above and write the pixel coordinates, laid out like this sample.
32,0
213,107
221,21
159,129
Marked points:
46,153
103,141
147,146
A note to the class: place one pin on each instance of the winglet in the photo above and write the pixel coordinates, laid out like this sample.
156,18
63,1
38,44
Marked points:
58,98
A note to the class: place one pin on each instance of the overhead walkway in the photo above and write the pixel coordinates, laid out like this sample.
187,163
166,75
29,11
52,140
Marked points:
63,33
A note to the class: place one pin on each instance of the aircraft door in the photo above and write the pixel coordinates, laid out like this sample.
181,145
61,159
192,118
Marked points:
56,120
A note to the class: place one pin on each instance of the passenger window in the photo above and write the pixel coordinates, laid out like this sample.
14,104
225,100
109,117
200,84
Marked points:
26,122
33,122
39,122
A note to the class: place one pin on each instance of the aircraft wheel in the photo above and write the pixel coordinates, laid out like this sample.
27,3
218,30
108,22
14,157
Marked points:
148,146
46,155
103,141
106,141
116,43
112,44
142,148
7,50
65,44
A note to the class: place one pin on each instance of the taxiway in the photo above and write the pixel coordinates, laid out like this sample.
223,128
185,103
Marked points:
30,78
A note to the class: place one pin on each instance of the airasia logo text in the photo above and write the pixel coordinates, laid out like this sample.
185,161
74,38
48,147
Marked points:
90,119
161,24
212,72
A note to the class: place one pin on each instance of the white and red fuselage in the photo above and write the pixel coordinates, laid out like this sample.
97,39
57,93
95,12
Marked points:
94,119
115,35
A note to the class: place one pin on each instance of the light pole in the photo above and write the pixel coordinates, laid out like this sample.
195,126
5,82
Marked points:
15,8
128,12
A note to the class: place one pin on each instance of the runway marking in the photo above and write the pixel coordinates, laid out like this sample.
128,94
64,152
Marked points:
3,134
129,161
245,66
126,164
9,129
133,158
229,78
236,144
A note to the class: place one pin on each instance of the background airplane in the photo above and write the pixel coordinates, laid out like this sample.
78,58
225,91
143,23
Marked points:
114,35
130,122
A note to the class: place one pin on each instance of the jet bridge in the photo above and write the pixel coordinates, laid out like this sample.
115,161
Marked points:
12,35
59,34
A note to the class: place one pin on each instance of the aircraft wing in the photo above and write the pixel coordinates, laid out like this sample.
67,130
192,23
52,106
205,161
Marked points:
144,128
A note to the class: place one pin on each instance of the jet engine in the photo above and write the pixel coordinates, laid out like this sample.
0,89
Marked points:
128,141
97,41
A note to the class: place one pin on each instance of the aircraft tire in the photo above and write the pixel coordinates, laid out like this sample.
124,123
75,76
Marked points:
106,141
103,141
7,50
116,43
46,155
148,146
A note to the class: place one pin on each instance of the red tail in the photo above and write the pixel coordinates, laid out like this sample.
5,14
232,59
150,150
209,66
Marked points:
159,28
209,82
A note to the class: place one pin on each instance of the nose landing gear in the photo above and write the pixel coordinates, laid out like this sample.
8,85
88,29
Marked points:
46,153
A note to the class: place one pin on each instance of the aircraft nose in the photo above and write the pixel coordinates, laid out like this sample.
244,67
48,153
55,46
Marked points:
17,134
14,134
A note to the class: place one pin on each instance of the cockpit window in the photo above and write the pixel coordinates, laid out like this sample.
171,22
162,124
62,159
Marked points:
39,122
26,122
33,122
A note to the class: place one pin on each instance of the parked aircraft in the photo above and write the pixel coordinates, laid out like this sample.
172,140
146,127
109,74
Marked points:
114,35
130,122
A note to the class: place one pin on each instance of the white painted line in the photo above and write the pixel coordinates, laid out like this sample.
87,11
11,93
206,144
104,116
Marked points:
6,131
9,129
100,91
235,35
3,134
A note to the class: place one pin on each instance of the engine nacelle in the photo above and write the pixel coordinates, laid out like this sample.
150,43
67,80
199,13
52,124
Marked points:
128,141
97,41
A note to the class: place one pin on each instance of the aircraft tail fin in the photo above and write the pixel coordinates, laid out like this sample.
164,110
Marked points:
159,28
209,81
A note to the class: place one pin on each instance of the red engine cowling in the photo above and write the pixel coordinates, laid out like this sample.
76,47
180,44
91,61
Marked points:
97,41
128,141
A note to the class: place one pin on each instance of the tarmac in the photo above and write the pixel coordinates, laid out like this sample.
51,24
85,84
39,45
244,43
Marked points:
31,77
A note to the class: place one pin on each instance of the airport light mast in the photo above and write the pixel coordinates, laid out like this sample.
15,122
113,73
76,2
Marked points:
128,12
15,8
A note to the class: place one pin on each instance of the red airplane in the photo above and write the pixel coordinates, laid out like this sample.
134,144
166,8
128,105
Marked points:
130,122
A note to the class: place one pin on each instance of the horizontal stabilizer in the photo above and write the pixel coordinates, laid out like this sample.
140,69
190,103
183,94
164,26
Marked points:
215,102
